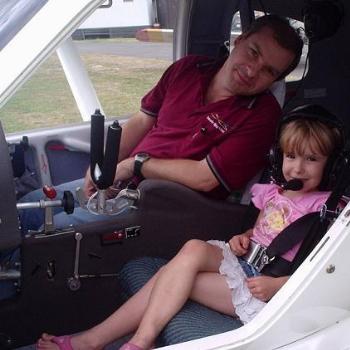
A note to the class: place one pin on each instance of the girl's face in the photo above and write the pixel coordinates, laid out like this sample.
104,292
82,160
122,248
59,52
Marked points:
307,167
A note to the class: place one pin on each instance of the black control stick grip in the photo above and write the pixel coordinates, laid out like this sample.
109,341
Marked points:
96,145
104,163
111,155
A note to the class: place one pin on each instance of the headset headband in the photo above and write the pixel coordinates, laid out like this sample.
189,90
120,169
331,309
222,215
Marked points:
313,112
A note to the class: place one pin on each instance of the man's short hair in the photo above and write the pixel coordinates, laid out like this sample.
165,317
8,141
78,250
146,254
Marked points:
284,34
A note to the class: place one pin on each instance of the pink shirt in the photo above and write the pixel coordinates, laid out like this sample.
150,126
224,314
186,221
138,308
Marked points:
279,211
233,135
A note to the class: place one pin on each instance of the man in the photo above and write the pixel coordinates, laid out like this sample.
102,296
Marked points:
207,124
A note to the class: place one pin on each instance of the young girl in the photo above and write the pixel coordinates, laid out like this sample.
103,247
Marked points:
215,273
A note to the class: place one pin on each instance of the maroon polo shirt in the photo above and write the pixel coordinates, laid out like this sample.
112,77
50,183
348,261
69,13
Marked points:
234,135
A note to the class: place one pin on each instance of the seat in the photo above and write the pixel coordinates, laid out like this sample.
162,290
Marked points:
192,322
10,236
278,90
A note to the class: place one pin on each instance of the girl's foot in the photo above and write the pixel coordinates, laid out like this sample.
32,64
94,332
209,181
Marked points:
50,342
130,346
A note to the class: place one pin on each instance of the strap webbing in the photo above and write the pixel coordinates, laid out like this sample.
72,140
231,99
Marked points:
292,234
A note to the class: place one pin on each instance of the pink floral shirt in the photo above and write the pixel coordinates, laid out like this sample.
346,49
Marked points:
279,211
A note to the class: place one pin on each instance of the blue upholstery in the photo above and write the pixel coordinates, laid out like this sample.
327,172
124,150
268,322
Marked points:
192,322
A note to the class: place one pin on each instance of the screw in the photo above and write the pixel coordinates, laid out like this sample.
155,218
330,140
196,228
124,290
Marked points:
330,269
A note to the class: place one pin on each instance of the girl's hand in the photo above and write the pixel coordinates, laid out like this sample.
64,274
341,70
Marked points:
239,244
265,287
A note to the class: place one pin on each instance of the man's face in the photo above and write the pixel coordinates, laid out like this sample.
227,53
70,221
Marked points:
254,64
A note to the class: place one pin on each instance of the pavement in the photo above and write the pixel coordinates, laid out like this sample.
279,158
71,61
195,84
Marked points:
158,50
150,49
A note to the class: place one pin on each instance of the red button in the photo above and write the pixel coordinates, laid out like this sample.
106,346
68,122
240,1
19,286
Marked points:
50,192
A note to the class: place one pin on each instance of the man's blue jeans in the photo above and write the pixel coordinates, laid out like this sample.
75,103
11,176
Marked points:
33,219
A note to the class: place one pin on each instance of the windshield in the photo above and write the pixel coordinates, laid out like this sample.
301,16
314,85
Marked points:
14,15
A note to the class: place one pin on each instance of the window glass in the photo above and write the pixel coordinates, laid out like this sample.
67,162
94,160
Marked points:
298,72
125,71
14,15
44,100
122,70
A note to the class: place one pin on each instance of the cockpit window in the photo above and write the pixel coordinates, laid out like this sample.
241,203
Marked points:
14,15
122,69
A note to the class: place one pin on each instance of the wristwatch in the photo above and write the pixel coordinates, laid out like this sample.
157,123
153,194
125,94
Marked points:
140,158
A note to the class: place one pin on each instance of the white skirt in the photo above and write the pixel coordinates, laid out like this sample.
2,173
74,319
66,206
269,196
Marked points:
246,306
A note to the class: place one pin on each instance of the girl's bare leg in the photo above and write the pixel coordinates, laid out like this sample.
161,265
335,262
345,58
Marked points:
176,282
122,322
160,299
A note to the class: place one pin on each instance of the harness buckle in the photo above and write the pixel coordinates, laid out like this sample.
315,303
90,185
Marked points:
329,214
257,256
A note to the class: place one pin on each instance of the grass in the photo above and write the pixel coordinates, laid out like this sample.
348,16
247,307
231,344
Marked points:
46,99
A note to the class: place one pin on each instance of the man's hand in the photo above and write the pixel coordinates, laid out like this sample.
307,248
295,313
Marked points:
123,173
125,170
265,287
89,186
239,244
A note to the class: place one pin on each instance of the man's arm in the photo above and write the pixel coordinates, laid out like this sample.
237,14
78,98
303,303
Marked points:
133,131
191,173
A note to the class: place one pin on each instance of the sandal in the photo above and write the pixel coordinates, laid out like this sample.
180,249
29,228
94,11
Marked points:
129,346
63,342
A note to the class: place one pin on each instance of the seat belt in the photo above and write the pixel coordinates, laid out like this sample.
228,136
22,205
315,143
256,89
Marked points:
292,234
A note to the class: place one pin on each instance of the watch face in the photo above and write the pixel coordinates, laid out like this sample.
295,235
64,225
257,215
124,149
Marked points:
141,157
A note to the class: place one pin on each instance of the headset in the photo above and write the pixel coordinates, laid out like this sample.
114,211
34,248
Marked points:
335,160
322,18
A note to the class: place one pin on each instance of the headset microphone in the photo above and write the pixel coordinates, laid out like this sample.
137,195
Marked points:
292,185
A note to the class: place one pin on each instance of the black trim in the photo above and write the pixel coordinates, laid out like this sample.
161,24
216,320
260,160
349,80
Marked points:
216,174
151,114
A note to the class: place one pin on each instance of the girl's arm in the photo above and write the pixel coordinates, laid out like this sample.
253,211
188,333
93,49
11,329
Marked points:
239,244
265,287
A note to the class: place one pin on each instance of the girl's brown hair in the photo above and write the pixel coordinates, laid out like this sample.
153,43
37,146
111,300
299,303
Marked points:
299,134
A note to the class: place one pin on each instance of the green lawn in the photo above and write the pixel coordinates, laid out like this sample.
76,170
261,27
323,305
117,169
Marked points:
46,100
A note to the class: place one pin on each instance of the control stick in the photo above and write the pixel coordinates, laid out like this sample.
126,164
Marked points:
103,165
103,162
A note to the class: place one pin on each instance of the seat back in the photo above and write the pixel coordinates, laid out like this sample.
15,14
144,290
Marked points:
9,226
278,90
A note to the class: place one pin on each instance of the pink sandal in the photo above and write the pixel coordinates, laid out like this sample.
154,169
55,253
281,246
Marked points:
129,346
63,342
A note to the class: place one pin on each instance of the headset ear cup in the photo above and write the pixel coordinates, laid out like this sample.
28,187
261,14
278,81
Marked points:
322,18
326,181
276,160
332,169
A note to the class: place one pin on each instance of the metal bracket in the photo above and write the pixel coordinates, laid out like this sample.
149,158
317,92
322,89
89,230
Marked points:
74,282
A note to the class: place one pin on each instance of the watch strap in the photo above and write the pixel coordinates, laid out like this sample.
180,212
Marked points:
140,158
